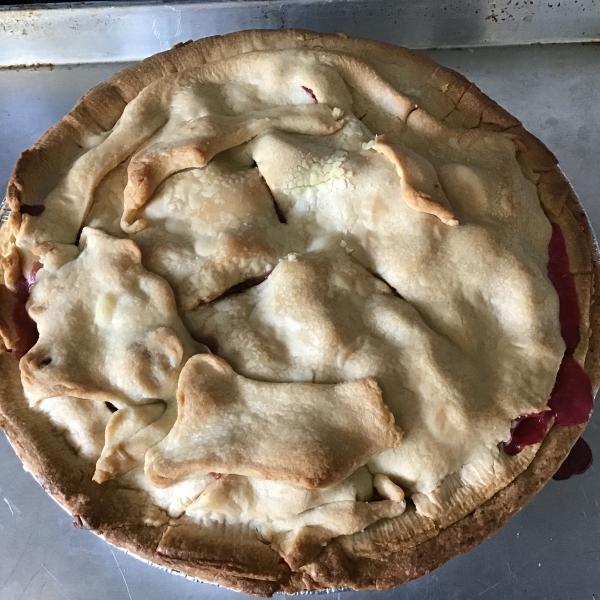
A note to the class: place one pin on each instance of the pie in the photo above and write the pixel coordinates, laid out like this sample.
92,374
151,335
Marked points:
287,311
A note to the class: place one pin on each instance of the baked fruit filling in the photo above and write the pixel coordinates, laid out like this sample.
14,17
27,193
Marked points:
572,400
295,297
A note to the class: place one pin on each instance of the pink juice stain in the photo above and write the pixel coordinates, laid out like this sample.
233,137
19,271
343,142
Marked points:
25,326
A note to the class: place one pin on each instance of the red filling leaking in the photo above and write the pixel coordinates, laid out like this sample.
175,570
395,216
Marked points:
578,462
25,326
571,401
311,94
563,281
32,276
528,430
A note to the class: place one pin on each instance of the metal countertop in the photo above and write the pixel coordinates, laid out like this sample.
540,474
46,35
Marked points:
551,550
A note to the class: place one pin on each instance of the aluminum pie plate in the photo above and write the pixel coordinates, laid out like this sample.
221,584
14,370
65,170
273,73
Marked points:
4,211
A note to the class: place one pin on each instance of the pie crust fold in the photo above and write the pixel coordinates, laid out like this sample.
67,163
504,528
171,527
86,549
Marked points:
317,434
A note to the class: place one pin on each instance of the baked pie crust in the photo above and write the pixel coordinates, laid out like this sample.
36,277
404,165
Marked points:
375,283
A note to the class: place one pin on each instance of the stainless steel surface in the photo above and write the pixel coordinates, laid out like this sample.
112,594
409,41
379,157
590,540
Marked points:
551,550
96,32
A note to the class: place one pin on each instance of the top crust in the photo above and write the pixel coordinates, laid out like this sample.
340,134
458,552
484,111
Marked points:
128,518
319,434
153,346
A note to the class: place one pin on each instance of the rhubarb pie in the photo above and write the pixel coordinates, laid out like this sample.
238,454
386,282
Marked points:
287,311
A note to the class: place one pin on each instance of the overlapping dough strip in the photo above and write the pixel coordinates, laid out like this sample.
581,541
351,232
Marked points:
156,111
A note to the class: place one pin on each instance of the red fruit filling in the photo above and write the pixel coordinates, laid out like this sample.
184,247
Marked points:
579,461
571,401
527,431
311,94
32,276
563,281
25,326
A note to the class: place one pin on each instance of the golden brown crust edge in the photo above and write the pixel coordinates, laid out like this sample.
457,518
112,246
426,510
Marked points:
140,530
